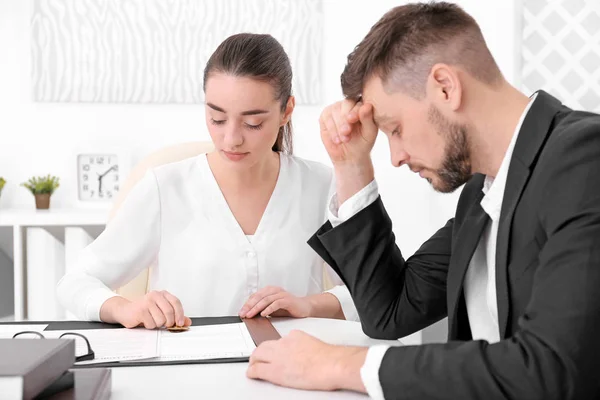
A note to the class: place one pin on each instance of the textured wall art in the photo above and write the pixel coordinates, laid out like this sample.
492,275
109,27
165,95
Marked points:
154,51
561,50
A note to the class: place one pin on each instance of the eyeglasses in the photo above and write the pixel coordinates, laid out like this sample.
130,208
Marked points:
81,343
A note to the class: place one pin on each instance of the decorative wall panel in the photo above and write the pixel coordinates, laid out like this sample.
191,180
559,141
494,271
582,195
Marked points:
561,50
154,51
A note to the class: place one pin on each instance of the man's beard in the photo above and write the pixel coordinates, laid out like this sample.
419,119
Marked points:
456,166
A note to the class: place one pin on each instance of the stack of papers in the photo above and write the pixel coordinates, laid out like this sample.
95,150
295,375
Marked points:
115,344
127,345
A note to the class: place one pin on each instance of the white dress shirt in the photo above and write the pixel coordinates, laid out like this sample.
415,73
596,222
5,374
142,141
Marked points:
177,220
480,292
480,279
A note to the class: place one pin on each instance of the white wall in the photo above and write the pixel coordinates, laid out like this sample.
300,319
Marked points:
40,138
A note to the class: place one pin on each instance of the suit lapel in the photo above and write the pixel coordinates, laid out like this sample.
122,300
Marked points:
515,183
464,246
532,136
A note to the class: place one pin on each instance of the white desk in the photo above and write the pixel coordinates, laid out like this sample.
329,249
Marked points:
228,381
22,218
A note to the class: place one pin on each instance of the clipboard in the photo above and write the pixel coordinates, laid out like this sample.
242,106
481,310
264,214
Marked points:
261,329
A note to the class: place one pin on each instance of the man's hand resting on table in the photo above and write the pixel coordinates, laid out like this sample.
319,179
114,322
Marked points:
155,310
301,361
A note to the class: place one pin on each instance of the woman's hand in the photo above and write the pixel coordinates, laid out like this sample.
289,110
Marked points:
276,302
155,310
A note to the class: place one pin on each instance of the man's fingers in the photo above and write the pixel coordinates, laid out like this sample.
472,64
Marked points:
352,117
187,321
261,370
342,126
177,308
346,106
369,128
264,352
332,130
323,125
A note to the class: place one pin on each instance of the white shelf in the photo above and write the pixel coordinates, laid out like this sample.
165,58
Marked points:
39,258
53,217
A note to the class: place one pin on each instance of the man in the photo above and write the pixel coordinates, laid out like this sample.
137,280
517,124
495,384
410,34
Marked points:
517,271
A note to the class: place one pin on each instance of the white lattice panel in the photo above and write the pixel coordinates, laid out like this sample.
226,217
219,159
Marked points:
561,50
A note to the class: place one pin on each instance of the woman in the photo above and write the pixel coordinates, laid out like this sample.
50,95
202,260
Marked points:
223,225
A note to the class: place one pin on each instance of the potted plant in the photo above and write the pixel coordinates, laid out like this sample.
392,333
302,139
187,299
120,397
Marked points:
2,183
42,188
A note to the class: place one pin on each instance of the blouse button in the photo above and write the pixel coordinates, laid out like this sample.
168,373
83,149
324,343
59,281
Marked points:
251,254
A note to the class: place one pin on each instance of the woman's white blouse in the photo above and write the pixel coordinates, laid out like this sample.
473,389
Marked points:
177,220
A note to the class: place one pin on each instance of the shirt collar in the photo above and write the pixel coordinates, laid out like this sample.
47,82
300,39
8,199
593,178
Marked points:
493,188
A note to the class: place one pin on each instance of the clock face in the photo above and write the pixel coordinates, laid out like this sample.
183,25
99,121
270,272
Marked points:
98,177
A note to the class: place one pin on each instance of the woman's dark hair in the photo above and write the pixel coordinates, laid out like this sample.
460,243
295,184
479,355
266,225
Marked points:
259,57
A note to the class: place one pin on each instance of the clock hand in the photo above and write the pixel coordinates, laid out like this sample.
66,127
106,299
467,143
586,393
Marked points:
107,171
99,183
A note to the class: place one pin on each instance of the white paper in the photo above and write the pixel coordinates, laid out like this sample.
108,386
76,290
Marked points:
7,331
129,345
115,344
206,342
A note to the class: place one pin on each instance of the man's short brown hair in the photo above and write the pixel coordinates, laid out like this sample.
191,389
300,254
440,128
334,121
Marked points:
408,40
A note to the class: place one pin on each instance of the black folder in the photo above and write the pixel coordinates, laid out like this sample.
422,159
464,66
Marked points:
260,330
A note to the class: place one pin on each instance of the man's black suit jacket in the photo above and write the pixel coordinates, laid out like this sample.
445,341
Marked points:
547,275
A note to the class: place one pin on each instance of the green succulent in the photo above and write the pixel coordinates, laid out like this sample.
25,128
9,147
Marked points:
42,184
2,183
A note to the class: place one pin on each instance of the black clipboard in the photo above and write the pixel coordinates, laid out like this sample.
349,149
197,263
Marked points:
260,330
